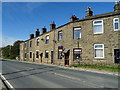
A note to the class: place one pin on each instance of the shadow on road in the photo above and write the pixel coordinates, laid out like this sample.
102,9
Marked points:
28,70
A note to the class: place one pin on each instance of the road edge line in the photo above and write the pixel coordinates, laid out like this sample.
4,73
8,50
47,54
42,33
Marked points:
7,84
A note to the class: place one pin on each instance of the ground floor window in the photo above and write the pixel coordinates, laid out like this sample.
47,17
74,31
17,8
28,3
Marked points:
37,54
99,50
46,53
60,50
30,54
77,54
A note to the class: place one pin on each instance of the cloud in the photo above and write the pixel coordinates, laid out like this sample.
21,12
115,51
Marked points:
4,41
32,5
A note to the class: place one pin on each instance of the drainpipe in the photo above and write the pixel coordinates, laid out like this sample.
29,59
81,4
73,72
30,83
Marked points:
54,48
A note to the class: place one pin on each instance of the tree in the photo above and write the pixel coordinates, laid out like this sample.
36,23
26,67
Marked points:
11,52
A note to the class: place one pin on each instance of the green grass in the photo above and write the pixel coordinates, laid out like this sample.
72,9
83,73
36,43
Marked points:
109,68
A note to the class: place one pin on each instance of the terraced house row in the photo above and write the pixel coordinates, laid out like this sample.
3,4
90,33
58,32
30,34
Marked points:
94,39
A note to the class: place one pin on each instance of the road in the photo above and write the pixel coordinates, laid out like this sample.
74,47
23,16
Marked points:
28,75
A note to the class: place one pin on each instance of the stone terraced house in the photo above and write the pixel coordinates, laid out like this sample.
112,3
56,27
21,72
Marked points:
94,39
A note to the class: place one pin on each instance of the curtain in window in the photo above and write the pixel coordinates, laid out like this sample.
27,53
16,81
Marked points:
98,52
97,28
77,34
116,25
60,35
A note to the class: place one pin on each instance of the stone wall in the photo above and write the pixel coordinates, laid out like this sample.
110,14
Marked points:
109,38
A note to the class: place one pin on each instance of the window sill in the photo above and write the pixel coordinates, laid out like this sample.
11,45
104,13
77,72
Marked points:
97,33
99,58
117,30
60,40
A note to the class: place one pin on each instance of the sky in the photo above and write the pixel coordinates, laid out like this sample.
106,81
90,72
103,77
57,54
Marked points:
20,19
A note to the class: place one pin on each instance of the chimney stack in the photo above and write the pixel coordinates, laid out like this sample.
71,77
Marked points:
89,12
73,18
52,25
44,30
117,6
37,33
31,36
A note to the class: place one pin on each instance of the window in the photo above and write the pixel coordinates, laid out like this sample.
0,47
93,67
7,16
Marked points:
59,35
77,32
77,54
25,55
37,54
47,39
98,26
99,50
46,54
38,42
60,50
30,54
116,24
30,43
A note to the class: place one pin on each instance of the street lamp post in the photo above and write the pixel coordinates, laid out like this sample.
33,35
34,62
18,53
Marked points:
78,45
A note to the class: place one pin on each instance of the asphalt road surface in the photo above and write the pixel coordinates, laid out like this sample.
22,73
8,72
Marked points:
28,75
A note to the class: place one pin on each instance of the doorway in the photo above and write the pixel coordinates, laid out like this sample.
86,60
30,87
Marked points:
33,57
67,57
52,57
116,55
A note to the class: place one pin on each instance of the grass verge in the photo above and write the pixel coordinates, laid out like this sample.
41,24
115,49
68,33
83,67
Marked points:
109,68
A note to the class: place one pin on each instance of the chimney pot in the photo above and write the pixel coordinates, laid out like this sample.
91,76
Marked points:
44,30
117,6
37,33
31,36
52,25
89,12
73,18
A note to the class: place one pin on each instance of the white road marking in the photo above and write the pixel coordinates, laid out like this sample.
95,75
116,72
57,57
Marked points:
6,82
74,78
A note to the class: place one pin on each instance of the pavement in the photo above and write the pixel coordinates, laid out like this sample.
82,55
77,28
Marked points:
29,75
2,85
80,68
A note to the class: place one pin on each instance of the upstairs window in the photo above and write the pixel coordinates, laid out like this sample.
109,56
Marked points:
98,26
59,35
30,43
77,32
38,42
99,50
116,24
46,53
47,39
37,54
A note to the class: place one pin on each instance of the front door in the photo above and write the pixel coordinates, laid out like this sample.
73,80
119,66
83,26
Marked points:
67,58
52,57
33,57
117,55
